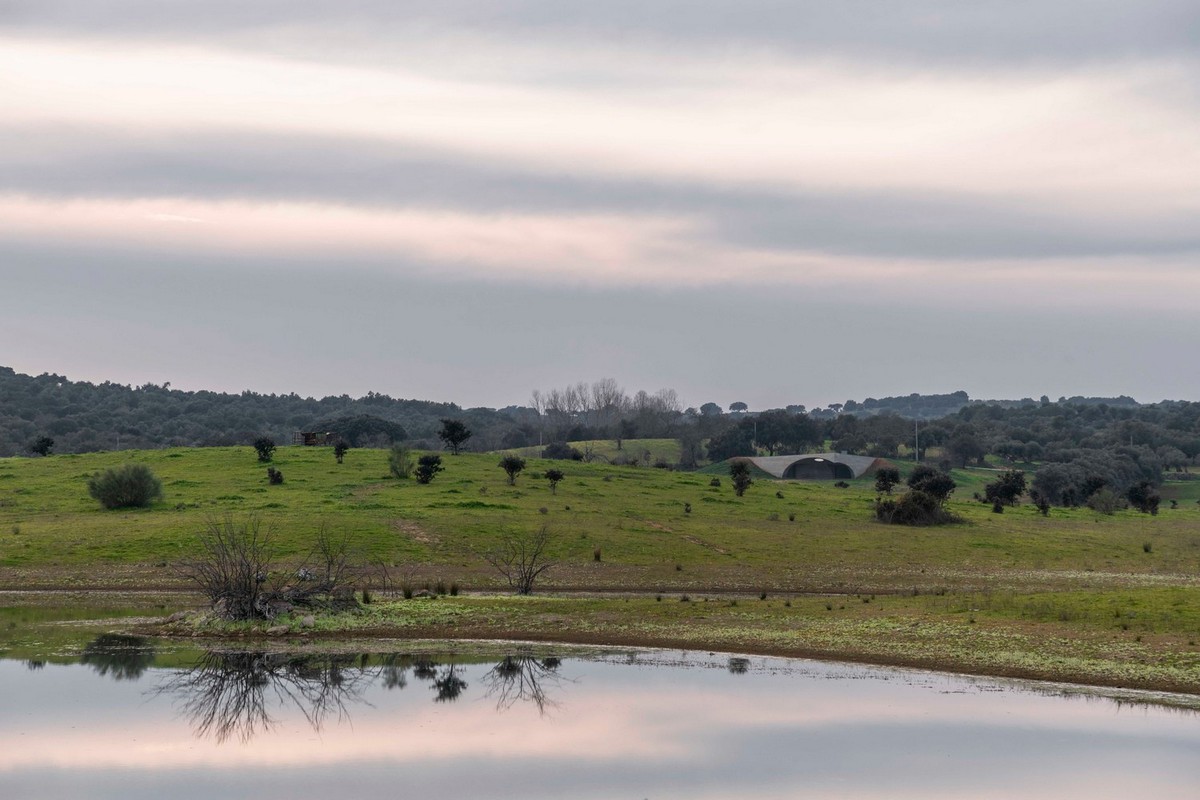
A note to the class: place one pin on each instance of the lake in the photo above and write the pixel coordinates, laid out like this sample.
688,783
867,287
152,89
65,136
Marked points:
131,718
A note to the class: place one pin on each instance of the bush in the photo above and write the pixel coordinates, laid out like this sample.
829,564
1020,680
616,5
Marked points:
1007,489
340,449
428,467
1144,497
915,507
739,473
886,479
561,451
1105,501
274,476
127,486
936,483
512,466
265,447
554,476
400,461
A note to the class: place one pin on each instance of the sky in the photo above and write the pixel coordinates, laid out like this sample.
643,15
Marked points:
765,201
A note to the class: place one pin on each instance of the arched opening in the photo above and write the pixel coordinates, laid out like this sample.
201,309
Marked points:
818,469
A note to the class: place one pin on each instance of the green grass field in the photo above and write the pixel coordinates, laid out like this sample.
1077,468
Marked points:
637,516
1115,584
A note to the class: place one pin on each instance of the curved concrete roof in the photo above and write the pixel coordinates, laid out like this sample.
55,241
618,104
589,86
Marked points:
778,465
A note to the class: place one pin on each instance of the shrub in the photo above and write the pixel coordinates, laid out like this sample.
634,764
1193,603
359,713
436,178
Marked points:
512,466
427,467
1007,489
886,479
1143,497
842,485
400,461
935,483
715,482
915,507
265,447
1105,501
274,476
555,476
127,486
340,449
42,446
739,473
561,451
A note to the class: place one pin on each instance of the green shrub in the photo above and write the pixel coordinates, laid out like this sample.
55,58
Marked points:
265,447
400,461
427,467
127,486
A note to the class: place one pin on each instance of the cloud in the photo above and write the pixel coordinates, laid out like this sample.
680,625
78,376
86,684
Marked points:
939,31
59,162
1092,140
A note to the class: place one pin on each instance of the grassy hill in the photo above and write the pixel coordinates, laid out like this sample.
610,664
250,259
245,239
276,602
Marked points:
1105,599
785,534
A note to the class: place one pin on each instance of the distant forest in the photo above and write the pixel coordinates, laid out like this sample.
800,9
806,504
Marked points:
1075,444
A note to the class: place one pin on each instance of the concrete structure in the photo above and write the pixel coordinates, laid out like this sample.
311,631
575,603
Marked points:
817,466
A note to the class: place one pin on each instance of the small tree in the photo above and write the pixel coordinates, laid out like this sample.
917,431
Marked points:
512,465
521,559
453,434
1143,497
274,476
886,479
933,482
42,446
400,461
265,447
555,476
428,467
340,449
1007,489
739,473
126,486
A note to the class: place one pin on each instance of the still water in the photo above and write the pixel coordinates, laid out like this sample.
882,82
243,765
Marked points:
127,720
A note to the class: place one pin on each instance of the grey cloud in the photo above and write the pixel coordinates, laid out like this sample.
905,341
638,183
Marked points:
98,313
1014,30
63,163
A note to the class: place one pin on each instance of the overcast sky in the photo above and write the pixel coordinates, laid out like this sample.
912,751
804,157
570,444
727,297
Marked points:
771,201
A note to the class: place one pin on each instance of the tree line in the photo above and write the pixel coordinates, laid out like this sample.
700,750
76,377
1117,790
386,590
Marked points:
1073,444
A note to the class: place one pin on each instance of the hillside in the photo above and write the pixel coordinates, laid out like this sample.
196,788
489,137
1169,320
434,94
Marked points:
1110,600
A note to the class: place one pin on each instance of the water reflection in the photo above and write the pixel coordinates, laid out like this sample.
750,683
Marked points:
523,678
241,694
663,725
121,657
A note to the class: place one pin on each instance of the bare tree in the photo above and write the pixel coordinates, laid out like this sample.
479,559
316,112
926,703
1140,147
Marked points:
521,559
233,566
237,571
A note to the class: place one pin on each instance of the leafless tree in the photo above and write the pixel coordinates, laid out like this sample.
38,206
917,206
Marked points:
521,559
236,570
233,566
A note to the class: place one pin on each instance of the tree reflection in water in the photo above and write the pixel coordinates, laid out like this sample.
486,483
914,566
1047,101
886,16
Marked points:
229,693
121,657
237,694
522,678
